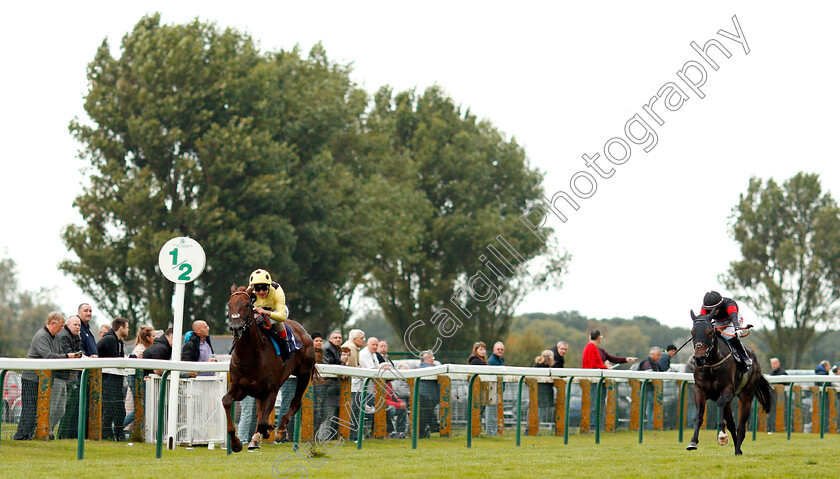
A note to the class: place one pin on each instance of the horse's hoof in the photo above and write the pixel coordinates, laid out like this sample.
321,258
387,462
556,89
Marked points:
723,440
236,447
692,446
253,445
739,453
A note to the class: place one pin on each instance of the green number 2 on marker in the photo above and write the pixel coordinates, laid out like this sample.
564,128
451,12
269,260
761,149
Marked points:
186,268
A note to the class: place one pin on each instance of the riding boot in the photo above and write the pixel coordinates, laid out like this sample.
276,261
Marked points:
286,344
739,348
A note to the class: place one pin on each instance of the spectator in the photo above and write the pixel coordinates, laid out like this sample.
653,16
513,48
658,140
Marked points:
88,340
332,350
103,329
368,360
545,359
491,412
478,357
145,338
318,342
776,370
497,359
545,391
71,342
397,410
355,341
650,363
113,415
345,355
367,356
429,399
45,345
198,347
591,356
160,349
327,393
382,354
401,387
665,361
559,351
776,367
822,370
614,360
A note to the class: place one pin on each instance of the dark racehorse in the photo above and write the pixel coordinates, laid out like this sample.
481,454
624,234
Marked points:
256,370
716,377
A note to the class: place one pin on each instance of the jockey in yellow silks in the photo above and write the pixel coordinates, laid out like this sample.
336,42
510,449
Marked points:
270,301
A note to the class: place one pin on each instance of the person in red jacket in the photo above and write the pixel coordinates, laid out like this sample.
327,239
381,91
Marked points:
591,356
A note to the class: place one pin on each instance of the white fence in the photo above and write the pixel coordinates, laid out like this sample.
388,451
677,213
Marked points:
201,417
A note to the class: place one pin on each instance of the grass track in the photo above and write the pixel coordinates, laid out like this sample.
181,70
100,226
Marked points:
618,455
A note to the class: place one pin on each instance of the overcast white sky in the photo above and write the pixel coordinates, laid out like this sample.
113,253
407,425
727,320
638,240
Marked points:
561,79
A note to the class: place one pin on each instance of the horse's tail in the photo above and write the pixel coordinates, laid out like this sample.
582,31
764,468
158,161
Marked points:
764,393
315,375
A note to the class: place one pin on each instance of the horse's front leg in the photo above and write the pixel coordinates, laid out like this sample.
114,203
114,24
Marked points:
227,401
723,404
700,401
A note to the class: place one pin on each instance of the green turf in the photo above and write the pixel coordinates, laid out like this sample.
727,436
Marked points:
618,455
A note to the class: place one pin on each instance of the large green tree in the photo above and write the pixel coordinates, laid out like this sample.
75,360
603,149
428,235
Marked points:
469,186
194,132
790,271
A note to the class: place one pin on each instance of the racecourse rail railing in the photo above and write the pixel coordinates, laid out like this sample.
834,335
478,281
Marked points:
603,382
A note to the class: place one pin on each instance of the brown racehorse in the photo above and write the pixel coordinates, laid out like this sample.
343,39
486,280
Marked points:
257,370
716,377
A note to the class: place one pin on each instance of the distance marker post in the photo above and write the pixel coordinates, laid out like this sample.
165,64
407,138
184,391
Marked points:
181,260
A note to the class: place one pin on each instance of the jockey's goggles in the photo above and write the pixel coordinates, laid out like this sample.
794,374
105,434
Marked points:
260,287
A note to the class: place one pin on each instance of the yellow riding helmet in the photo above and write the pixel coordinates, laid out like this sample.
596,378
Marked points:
260,276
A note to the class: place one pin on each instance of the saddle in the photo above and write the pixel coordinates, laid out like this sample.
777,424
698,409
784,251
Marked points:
282,346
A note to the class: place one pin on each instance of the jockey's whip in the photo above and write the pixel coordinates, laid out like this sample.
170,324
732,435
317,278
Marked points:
686,342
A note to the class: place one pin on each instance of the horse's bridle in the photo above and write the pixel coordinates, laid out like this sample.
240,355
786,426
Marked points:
710,348
250,317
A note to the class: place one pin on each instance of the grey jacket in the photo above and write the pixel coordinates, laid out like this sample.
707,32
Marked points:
69,344
44,346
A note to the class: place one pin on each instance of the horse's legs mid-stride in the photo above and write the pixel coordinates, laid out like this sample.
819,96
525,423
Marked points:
744,410
264,408
294,406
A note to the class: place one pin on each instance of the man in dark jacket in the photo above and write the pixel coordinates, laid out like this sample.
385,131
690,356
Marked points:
44,345
198,347
71,342
332,350
160,349
88,339
665,361
429,398
650,363
113,393
559,351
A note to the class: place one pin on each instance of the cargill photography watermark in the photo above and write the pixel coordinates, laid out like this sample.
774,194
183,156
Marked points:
502,260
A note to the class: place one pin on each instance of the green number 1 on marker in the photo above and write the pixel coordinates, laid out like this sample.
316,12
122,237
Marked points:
174,254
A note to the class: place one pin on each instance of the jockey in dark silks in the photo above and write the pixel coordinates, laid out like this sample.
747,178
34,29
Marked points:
725,312
270,301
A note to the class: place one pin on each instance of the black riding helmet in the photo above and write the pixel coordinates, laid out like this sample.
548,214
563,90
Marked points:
711,299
